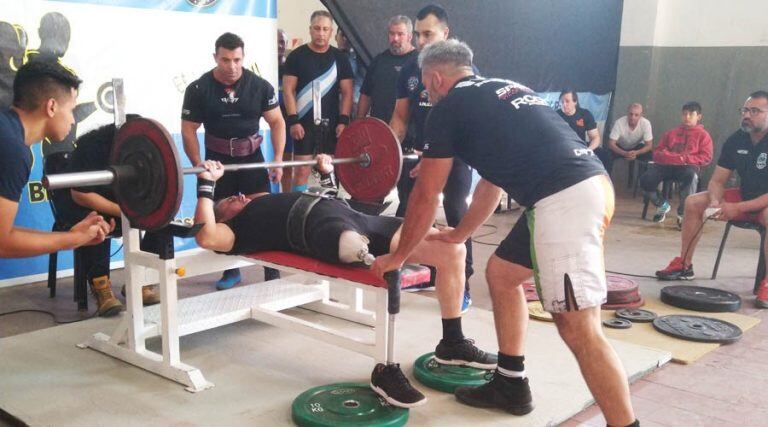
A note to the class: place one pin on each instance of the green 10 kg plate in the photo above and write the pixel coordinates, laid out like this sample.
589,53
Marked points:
345,404
446,378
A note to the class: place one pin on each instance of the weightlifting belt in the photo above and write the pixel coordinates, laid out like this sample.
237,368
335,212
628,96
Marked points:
234,147
297,216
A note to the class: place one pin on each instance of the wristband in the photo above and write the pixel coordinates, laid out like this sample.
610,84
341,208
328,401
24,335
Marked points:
328,180
205,188
292,119
344,119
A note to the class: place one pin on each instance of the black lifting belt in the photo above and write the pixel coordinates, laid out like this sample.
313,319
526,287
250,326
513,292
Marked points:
297,216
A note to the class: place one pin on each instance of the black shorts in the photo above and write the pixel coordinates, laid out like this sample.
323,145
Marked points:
244,181
312,137
516,247
329,218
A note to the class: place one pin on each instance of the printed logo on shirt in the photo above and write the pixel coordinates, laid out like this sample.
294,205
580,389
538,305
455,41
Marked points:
413,83
528,100
583,152
202,3
398,68
761,160
742,152
426,146
185,112
580,122
231,97
273,100
424,99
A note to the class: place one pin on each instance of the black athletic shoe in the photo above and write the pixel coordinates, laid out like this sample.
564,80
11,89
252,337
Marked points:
389,382
510,394
464,353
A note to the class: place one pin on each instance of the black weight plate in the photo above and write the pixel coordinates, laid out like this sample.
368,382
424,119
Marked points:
636,315
698,328
617,323
699,298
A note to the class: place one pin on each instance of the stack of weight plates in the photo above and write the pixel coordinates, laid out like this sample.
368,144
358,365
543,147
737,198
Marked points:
622,293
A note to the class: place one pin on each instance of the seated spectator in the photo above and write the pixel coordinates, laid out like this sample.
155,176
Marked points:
681,153
631,137
582,122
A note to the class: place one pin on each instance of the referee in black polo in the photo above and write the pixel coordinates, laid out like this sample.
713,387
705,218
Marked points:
229,101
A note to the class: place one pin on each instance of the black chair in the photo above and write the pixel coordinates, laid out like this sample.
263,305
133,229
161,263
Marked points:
57,163
747,225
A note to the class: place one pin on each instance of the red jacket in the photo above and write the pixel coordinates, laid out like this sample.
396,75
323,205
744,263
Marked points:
684,146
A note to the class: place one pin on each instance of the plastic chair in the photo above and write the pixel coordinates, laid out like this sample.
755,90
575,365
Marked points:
747,225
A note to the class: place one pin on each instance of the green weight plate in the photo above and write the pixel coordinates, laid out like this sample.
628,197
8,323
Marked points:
446,377
345,404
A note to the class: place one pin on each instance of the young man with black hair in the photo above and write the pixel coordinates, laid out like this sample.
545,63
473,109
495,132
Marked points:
229,101
680,155
410,114
44,95
336,233
316,63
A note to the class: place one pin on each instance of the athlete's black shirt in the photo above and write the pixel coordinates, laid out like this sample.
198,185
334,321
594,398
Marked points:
749,160
409,86
328,68
381,82
228,111
581,122
262,226
15,157
511,137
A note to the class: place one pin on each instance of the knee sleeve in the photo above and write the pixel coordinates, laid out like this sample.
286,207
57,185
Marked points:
353,247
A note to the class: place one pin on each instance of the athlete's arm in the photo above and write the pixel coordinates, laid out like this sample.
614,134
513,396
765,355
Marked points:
274,119
289,99
214,236
716,186
363,106
594,139
400,117
613,146
191,143
347,90
96,202
485,199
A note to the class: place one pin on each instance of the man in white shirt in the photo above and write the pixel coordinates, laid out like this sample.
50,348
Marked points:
631,137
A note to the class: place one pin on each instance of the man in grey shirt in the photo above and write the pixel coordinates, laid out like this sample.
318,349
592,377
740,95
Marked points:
631,136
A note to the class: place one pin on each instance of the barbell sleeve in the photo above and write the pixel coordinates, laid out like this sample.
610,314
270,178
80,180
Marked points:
78,179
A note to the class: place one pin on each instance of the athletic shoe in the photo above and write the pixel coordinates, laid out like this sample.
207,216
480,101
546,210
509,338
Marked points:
762,294
389,382
466,302
510,394
676,271
464,353
679,222
661,212
229,279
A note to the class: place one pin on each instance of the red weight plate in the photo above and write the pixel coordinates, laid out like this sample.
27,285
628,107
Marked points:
151,198
620,284
634,304
622,298
530,291
372,182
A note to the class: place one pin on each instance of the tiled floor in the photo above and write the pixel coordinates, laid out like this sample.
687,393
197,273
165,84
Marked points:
726,387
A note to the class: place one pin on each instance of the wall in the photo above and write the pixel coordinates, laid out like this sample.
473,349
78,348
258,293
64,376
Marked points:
293,17
673,51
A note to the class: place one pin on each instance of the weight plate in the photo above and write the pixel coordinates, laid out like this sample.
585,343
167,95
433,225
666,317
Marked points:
698,328
374,181
531,294
446,378
345,404
536,311
617,323
632,304
149,184
622,290
636,315
699,298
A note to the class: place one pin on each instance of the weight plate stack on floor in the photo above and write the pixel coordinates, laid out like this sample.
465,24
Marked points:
699,298
636,315
447,377
698,328
345,404
622,293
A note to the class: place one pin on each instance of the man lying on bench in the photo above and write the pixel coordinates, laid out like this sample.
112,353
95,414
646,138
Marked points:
327,228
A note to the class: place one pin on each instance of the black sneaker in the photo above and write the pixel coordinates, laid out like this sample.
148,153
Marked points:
389,382
510,394
464,353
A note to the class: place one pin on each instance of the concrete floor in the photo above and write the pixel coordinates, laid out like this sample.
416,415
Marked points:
723,388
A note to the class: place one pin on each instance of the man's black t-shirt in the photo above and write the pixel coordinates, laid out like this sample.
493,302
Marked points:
409,86
15,156
327,68
511,137
581,122
381,81
228,111
749,160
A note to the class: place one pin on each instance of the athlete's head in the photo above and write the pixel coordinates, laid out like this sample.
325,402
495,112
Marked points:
228,54
400,34
54,34
48,90
690,115
634,114
282,43
320,29
754,113
569,99
226,209
431,25
442,64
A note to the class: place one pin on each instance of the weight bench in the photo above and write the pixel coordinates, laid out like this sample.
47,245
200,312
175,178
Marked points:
335,290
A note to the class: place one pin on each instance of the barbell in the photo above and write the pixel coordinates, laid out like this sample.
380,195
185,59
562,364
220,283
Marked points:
147,178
